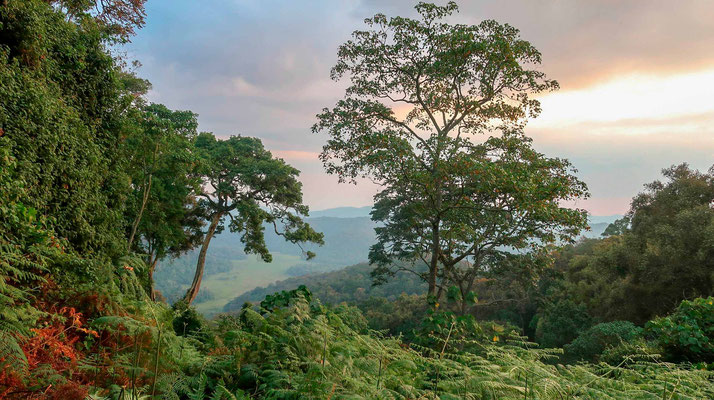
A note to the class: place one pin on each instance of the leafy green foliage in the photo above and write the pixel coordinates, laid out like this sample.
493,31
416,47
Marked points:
163,216
250,188
688,333
305,350
25,246
590,345
96,186
284,298
663,256
352,285
400,316
119,19
561,322
447,201
62,106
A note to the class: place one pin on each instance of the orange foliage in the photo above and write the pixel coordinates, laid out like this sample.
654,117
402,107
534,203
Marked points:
53,344
69,391
59,341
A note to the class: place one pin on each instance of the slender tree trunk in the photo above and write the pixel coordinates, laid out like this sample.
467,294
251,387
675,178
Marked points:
435,238
135,225
440,292
434,264
465,292
462,306
152,268
144,200
200,266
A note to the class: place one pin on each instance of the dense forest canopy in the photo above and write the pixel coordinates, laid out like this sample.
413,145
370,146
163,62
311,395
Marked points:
487,298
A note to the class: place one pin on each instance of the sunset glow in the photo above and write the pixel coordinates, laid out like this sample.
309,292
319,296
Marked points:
624,79
636,97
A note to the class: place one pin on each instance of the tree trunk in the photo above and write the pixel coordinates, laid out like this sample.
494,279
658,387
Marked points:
200,266
434,264
152,268
432,280
144,200
135,225
465,293
440,292
435,236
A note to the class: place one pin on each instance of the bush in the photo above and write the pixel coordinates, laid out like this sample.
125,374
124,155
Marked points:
188,322
688,333
561,323
629,353
591,344
400,316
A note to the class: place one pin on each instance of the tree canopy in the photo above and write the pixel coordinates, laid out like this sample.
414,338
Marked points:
421,93
244,184
661,256
97,185
164,218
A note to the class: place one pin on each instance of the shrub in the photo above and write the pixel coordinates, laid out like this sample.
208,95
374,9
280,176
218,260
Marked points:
400,316
688,333
628,353
561,322
189,323
590,345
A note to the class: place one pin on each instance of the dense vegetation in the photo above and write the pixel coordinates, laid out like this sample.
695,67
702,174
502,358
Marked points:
97,187
352,285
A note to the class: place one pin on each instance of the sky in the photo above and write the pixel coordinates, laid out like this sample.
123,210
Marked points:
636,80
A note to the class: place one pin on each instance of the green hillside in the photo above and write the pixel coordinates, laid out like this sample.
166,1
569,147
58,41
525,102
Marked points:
352,284
347,242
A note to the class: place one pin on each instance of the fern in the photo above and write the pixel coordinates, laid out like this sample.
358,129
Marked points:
279,354
12,358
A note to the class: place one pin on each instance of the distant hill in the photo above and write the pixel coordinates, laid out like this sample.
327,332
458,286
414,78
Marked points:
349,233
596,230
352,284
598,224
343,212
606,219
347,242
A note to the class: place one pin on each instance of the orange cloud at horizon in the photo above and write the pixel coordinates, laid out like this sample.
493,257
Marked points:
630,97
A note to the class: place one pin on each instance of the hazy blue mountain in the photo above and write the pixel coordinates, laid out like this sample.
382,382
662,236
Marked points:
595,231
349,233
598,224
603,219
347,242
343,212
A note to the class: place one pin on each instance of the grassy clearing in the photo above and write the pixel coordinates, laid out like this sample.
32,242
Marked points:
245,275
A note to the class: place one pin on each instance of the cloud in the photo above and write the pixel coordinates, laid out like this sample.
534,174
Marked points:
295,155
617,165
631,97
636,79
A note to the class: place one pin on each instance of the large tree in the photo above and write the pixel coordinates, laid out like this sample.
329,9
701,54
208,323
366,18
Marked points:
164,215
246,186
119,19
421,93
158,144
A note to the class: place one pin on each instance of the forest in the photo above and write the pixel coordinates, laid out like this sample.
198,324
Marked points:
476,281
